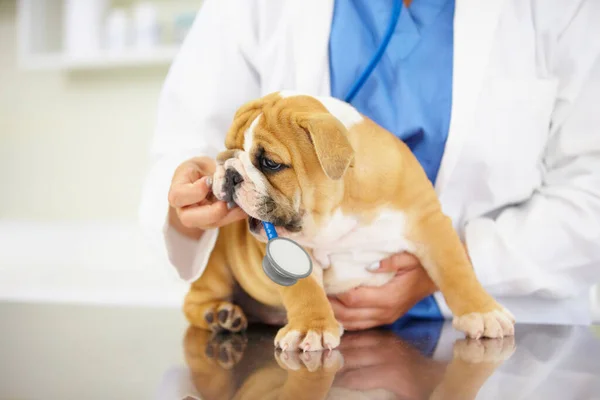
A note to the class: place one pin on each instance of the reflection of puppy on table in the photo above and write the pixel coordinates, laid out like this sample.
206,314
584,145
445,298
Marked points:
223,367
348,191
368,365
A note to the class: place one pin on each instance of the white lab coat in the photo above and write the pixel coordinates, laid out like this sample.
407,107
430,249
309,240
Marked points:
520,176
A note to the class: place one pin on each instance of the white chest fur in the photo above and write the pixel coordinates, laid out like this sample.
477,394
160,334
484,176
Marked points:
347,250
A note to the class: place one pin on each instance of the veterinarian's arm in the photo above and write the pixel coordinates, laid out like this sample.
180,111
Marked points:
210,78
549,246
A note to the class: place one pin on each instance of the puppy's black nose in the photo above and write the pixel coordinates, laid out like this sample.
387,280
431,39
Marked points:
233,178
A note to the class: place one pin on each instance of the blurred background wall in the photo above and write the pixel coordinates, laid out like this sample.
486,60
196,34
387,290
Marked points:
76,136
73,148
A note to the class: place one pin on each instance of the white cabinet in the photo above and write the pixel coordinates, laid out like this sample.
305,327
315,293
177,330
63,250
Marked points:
99,34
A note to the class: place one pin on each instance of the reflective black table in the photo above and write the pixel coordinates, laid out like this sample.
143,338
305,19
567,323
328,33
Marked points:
93,352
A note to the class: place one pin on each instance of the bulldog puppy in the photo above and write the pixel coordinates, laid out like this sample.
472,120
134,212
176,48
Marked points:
351,194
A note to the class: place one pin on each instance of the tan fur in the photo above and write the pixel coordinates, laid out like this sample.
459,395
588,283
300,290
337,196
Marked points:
331,143
217,282
438,246
336,169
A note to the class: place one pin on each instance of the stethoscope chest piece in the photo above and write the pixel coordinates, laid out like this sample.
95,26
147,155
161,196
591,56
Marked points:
286,261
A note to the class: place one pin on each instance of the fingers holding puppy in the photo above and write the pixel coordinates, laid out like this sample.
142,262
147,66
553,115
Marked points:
208,215
192,208
184,194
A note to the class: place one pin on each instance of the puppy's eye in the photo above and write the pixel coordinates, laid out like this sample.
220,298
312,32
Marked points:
269,164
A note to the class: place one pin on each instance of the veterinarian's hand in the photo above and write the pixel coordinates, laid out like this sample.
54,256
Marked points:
368,307
191,211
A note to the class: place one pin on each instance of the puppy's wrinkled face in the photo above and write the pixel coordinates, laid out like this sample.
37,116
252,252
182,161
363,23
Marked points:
262,182
284,162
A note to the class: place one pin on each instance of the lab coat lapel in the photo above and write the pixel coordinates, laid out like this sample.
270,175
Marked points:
475,23
311,29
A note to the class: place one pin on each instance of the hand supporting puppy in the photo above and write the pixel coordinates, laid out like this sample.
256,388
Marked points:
368,307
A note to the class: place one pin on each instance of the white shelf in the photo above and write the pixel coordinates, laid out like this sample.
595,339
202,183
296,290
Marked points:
102,60
43,40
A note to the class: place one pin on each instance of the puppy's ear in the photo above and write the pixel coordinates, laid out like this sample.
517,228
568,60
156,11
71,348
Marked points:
330,139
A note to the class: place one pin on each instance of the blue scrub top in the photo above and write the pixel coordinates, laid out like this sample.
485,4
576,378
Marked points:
410,91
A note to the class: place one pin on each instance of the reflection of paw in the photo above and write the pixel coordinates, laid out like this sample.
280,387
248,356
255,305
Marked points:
494,324
226,349
330,361
210,358
310,335
484,350
225,316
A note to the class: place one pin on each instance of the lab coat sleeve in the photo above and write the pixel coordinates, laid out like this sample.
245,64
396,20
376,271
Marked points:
549,246
211,76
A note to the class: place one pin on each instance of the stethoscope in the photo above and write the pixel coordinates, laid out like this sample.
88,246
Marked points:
285,260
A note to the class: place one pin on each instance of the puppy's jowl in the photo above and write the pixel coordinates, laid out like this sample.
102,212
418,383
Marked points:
351,194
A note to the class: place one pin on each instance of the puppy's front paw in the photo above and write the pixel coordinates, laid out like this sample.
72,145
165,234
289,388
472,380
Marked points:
494,324
309,334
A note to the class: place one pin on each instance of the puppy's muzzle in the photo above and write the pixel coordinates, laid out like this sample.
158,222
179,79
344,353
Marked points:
232,180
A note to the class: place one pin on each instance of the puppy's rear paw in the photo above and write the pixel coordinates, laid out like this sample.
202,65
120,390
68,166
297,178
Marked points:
494,324
217,316
309,335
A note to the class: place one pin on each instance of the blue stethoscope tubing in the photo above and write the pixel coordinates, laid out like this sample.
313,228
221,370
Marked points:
378,54
270,230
